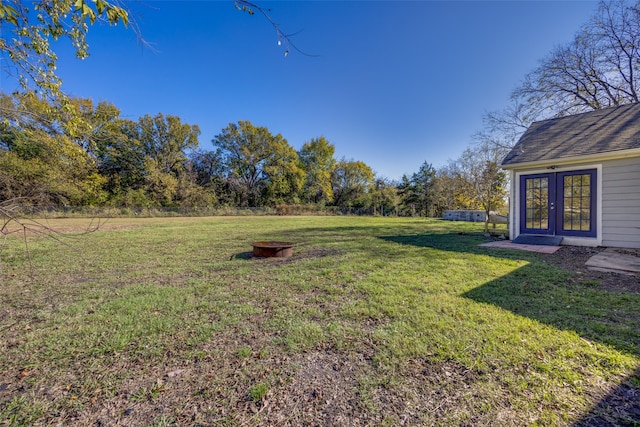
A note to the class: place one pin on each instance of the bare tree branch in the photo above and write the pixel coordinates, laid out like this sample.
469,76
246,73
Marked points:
596,70
283,39
14,221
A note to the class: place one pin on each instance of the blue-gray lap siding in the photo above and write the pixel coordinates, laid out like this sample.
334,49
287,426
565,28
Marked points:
621,203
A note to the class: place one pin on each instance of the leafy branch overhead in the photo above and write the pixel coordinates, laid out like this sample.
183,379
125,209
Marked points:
113,13
29,30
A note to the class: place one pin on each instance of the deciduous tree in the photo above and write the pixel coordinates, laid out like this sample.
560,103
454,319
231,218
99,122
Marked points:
318,162
599,68
209,173
384,197
351,181
166,140
485,182
449,189
121,158
31,29
39,161
262,167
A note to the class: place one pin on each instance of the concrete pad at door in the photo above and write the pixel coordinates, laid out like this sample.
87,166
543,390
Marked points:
614,262
503,244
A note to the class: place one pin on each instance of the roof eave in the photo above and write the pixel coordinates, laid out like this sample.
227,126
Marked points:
612,155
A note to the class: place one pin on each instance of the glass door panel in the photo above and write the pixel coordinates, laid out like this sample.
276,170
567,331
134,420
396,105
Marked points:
537,203
577,206
562,203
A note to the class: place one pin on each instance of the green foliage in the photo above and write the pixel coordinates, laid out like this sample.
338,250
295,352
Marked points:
207,170
130,198
485,183
316,157
30,31
385,197
160,186
351,182
41,161
165,139
284,174
450,189
417,193
100,157
121,157
158,145
88,155
263,168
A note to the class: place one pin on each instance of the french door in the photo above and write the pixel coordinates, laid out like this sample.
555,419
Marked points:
559,203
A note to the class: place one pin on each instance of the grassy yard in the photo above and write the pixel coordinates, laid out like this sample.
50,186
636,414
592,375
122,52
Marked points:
373,321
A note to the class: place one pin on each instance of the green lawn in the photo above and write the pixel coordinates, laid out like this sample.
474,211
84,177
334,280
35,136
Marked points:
373,321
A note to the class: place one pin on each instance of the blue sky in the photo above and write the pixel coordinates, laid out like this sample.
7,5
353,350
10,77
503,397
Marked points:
395,83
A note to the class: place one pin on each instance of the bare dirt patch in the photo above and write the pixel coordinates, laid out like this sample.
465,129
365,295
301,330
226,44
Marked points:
325,386
574,258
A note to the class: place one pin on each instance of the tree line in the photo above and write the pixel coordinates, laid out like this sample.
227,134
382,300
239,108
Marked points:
87,155
61,151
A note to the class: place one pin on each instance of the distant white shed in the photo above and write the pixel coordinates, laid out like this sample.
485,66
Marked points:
465,215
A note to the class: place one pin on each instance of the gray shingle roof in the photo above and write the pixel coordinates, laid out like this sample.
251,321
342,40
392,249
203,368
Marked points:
596,132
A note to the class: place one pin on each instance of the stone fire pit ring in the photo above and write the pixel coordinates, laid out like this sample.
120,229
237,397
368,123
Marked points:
272,249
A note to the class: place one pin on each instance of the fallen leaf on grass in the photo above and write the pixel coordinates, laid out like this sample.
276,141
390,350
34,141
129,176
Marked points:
175,373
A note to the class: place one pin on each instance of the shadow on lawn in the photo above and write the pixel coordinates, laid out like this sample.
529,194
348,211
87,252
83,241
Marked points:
611,318
461,242
555,298
448,241
549,295
621,407
440,239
